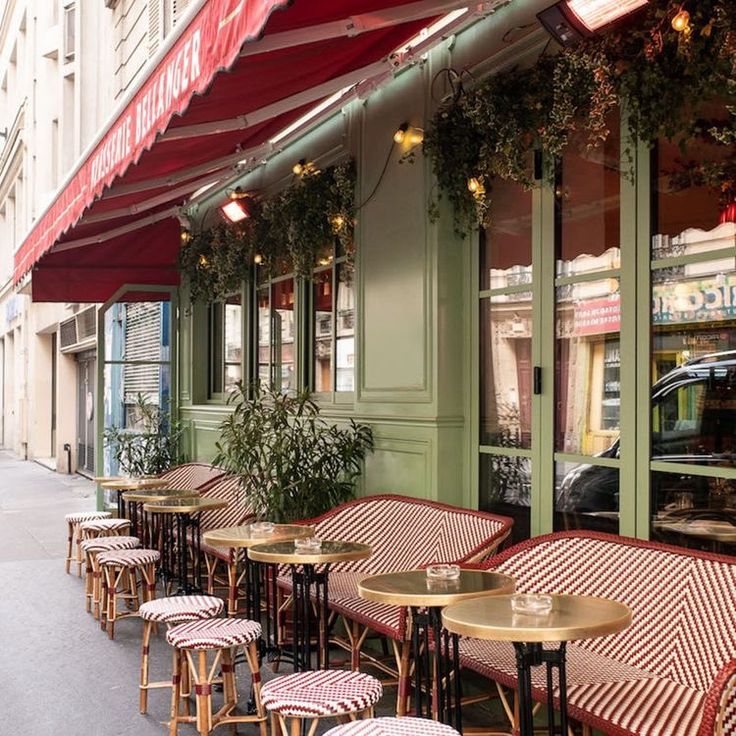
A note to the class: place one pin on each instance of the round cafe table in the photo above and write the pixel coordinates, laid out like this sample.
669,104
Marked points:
120,485
243,571
145,530
309,568
438,676
572,617
185,514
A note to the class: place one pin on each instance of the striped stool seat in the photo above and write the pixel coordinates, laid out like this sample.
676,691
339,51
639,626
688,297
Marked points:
97,526
218,633
129,557
87,516
321,693
181,608
74,535
393,727
124,572
91,548
106,544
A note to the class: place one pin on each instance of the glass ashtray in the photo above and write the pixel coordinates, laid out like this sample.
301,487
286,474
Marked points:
308,544
443,572
262,527
532,604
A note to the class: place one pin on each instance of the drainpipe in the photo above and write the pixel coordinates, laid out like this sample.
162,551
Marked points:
68,451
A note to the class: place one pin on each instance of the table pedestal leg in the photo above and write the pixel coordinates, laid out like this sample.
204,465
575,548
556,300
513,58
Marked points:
303,579
534,655
436,676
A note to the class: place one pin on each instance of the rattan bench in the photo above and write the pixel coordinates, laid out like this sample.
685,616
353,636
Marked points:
672,673
404,533
191,475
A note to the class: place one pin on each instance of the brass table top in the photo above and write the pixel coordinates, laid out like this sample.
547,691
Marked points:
158,494
107,478
185,505
133,484
284,553
572,617
413,588
245,536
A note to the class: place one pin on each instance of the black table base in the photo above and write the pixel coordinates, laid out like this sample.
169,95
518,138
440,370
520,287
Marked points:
534,655
437,684
304,578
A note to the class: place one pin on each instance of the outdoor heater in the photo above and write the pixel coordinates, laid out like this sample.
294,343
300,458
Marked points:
237,208
569,21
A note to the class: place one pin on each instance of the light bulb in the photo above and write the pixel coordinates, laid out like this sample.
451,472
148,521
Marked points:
299,167
337,222
681,22
203,262
473,185
258,259
400,133
185,236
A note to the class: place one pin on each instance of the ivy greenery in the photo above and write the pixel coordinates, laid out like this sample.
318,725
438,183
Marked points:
291,227
661,76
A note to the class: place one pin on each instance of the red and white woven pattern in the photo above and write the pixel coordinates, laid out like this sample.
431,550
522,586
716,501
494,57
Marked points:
104,544
87,516
190,476
238,510
214,633
181,608
393,727
321,693
129,557
105,525
407,533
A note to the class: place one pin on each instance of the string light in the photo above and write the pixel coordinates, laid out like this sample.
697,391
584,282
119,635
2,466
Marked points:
681,21
475,187
337,222
258,259
203,262
400,133
185,236
408,134
299,167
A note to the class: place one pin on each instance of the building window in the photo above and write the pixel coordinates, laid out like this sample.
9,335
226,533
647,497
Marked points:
225,345
276,333
69,32
333,323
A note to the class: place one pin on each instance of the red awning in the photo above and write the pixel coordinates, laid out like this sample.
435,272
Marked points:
187,125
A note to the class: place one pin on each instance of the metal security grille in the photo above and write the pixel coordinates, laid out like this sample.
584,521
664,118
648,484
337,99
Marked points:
68,333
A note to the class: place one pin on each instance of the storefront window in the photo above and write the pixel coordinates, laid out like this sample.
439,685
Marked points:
587,332
505,326
333,323
225,345
693,345
276,333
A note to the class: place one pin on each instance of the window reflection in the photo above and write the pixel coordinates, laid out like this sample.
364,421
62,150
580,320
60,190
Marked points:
505,488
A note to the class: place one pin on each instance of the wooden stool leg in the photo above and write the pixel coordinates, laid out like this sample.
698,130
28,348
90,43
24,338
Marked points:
175,691
203,693
69,545
97,585
232,586
88,582
296,727
145,647
78,544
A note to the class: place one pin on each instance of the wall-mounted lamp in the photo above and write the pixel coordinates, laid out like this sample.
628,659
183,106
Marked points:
408,134
303,167
237,208
568,21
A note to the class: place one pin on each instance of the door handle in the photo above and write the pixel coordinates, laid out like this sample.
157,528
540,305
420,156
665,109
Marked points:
537,373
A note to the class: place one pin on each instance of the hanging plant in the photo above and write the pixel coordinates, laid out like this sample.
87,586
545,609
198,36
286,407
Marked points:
661,70
284,232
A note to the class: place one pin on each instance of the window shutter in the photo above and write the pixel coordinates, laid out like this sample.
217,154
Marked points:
155,25
142,342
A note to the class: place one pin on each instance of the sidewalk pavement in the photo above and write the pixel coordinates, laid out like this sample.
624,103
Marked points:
61,675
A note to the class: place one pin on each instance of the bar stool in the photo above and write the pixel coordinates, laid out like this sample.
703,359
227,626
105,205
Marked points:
104,528
170,611
312,696
73,521
191,642
90,549
122,571
393,727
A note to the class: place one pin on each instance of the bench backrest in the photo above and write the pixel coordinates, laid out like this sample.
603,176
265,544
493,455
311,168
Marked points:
238,510
406,533
683,602
191,475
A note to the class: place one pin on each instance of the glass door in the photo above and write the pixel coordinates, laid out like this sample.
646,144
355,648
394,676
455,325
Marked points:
505,312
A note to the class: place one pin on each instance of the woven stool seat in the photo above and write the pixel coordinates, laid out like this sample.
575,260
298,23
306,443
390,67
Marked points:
87,516
106,544
129,557
321,693
104,525
218,633
393,727
181,608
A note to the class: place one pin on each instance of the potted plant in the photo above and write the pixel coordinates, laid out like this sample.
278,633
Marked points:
150,445
292,463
